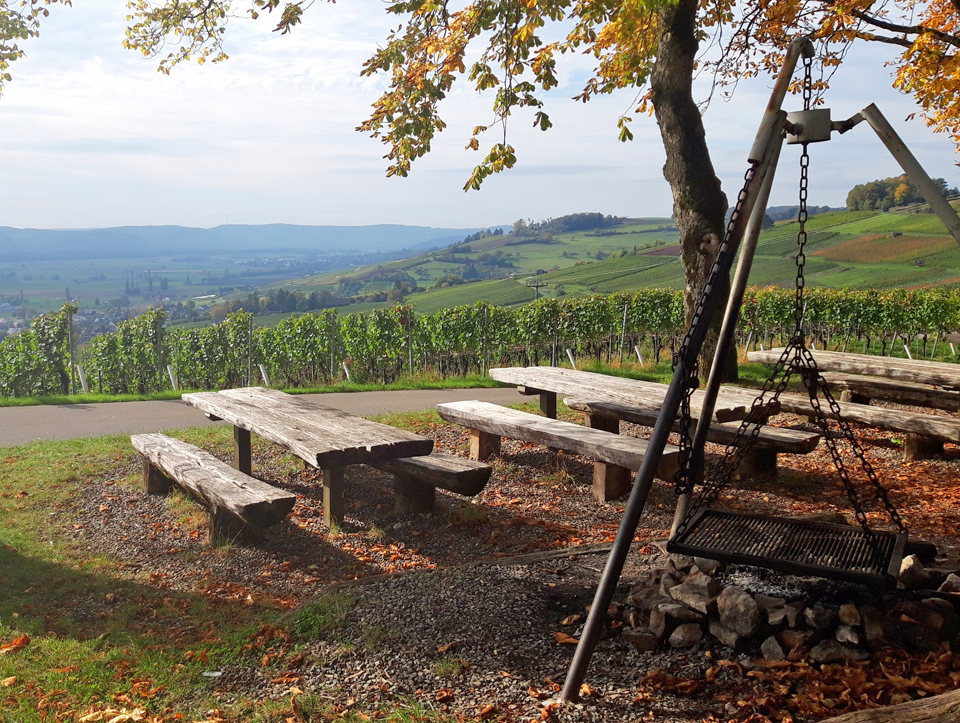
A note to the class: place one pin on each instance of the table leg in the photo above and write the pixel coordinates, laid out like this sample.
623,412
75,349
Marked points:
241,450
548,404
333,495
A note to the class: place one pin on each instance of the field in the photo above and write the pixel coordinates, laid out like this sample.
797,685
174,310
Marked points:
862,249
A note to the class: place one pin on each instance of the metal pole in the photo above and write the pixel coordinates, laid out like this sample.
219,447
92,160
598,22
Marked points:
729,328
912,167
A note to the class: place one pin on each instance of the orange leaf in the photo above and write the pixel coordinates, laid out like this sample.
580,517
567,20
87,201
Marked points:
565,639
15,646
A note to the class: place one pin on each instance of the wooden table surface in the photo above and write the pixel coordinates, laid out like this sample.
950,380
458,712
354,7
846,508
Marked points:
942,374
732,404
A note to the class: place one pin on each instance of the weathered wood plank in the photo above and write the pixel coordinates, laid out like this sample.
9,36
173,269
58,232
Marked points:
926,425
776,439
319,435
943,708
732,404
447,471
220,486
895,390
912,370
604,446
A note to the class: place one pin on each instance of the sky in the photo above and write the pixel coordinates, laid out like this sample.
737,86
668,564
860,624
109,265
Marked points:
91,135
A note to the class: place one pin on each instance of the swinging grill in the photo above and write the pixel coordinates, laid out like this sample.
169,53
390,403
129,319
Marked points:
797,547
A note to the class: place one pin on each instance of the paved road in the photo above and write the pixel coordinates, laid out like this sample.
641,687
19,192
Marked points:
19,425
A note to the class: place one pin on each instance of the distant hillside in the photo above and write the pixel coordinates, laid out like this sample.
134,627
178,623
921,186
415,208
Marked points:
144,241
845,250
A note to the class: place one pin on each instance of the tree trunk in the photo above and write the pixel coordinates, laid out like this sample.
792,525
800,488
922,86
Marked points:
699,204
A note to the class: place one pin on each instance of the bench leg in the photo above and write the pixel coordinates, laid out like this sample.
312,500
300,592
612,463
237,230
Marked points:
848,396
483,445
610,481
226,529
241,450
412,496
916,446
759,463
333,495
155,482
548,404
598,421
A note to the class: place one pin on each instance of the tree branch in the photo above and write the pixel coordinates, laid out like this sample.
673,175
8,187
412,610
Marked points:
908,29
902,42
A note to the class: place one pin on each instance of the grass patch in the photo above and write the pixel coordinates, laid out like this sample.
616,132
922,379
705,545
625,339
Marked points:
322,616
450,667
473,381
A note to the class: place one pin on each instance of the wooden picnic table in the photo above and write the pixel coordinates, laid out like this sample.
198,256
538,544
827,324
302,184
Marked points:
732,403
321,436
919,371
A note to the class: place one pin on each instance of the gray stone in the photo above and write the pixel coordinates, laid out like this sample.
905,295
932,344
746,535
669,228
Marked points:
738,611
829,650
685,636
792,612
669,581
633,618
680,612
703,583
820,617
848,634
706,565
693,597
771,650
645,597
642,641
724,635
681,562
658,623
849,615
921,638
769,603
795,638
880,630
777,616
912,573
951,584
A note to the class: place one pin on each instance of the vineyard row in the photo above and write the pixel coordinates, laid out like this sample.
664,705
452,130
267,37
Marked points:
143,356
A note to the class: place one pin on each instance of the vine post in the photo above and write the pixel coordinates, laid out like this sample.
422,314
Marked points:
73,383
623,329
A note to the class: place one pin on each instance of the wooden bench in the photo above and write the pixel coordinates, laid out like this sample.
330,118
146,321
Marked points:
416,479
488,423
861,390
733,403
240,506
925,433
321,436
760,462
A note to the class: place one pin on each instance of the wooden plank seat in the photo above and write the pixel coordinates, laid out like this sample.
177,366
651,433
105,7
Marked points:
925,433
416,479
321,436
732,404
488,423
862,389
240,506
761,461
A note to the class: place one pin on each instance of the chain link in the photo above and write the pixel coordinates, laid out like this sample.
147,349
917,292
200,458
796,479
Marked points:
795,357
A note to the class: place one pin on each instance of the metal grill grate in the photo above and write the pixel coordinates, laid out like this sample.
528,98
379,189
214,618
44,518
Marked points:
798,547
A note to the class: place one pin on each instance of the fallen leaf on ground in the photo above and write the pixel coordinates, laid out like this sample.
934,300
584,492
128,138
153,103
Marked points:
15,645
565,639
571,619
7,682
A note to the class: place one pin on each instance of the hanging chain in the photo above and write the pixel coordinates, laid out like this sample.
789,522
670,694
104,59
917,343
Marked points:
794,357
683,479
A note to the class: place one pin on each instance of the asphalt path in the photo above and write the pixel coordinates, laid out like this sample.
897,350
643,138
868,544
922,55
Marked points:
19,425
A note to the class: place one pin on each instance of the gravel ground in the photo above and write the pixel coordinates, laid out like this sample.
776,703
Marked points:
458,635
